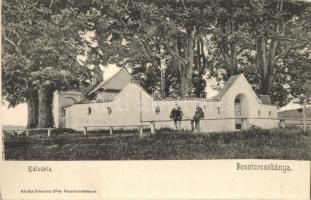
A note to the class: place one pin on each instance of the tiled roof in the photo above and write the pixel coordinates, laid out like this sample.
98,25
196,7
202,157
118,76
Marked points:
117,82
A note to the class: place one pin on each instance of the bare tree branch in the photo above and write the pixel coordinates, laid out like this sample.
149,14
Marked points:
284,38
17,49
147,52
290,48
183,3
51,3
174,54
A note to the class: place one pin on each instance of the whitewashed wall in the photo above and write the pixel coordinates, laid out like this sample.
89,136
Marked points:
133,103
63,99
125,110
188,107
253,105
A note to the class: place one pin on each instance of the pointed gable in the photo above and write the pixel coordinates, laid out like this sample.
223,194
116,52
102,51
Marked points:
232,80
228,85
115,83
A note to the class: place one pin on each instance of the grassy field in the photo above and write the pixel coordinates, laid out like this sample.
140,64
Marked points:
289,144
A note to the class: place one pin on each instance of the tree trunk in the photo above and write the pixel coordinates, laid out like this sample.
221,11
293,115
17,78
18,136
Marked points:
200,66
32,108
267,63
180,68
189,67
262,63
233,58
187,76
98,75
186,62
45,107
163,67
185,86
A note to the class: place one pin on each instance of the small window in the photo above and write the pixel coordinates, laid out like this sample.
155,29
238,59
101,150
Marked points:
157,110
259,113
109,110
89,110
270,113
238,126
299,110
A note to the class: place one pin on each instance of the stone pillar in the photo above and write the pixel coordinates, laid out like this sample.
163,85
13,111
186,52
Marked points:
84,130
152,127
141,132
282,123
49,132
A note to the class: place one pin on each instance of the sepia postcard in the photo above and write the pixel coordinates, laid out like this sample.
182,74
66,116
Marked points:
163,99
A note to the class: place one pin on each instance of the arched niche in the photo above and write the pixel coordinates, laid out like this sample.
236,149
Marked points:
240,109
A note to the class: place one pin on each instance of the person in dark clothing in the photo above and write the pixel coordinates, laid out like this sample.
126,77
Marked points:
198,115
176,115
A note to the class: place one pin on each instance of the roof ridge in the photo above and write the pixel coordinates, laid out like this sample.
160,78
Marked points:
104,82
228,84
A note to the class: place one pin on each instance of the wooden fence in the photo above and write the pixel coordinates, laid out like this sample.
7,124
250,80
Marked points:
111,128
244,122
28,130
152,125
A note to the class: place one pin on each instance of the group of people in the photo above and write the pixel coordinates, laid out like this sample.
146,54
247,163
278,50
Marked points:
177,115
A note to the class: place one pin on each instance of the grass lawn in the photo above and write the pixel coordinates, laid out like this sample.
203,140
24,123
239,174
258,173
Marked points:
289,144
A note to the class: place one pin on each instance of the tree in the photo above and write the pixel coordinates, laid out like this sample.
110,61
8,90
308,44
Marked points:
280,30
36,36
265,35
184,24
142,33
230,34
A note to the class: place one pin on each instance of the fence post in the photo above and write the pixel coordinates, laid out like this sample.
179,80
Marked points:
152,127
141,132
196,126
192,124
49,132
84,130
111,130
282,123
27,132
